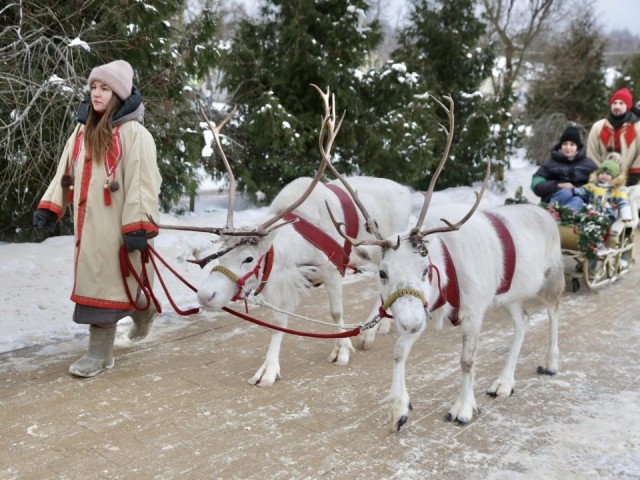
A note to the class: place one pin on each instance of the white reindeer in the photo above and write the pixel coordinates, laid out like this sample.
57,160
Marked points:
296,263
496,258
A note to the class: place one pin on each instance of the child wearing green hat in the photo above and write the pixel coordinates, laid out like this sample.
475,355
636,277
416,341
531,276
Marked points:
607,192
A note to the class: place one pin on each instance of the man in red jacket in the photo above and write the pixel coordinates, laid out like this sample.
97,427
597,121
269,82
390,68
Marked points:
618,132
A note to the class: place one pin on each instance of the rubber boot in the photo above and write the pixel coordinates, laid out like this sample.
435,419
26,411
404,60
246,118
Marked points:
142,321
99,356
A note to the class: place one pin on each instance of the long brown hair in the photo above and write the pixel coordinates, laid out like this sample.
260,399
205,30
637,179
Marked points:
97,130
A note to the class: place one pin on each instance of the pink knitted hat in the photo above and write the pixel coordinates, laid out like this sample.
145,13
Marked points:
117,75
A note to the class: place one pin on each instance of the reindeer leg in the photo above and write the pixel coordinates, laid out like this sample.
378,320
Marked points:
462,410
342,347
550,366
503,386
550,295
400,400
269,372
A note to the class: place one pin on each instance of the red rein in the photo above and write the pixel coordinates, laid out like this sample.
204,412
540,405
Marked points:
143,283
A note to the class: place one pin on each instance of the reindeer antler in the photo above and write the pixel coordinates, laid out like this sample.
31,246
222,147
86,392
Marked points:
232,180
214,230
228,229
443,160
329,122
263,229
380,242
416,232
455,226
203,261
328,125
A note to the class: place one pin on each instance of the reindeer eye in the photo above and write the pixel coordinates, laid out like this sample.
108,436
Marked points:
248,260
383,275
425,271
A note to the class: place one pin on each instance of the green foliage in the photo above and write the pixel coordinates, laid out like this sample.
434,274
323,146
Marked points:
268,70
392,140
572,80
43,82
391,125
441,45
630,77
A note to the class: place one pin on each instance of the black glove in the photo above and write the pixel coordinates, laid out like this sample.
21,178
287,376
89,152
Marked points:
135,241
44,220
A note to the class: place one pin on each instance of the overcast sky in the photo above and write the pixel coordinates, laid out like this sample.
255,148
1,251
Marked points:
619,14
613,14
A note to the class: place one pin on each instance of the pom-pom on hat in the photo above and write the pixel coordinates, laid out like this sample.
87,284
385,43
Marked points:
610,167
118,76
571,134
623,94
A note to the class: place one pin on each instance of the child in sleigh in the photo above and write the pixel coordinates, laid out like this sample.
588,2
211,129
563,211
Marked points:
607,192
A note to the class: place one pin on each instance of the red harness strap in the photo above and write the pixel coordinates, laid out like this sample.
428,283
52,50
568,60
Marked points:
350,216
451,293
346,334
508,252
143,282
266,271
339,255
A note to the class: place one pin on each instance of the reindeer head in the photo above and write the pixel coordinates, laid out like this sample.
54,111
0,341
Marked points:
238,270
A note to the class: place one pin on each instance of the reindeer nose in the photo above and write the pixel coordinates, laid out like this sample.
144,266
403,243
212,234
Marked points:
409,329
204,299
409,318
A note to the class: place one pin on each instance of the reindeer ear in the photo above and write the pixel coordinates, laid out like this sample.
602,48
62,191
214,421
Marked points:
369,253
362,253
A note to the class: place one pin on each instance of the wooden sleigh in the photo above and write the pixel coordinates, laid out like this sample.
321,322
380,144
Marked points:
610,262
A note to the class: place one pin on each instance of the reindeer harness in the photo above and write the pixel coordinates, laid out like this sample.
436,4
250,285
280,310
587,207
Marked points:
451,292
240,281
337,254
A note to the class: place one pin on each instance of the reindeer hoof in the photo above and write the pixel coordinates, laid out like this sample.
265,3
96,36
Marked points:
492,394
448,417
462,423
543,371
402,422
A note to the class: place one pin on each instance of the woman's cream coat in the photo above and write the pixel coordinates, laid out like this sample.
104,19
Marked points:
99,227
